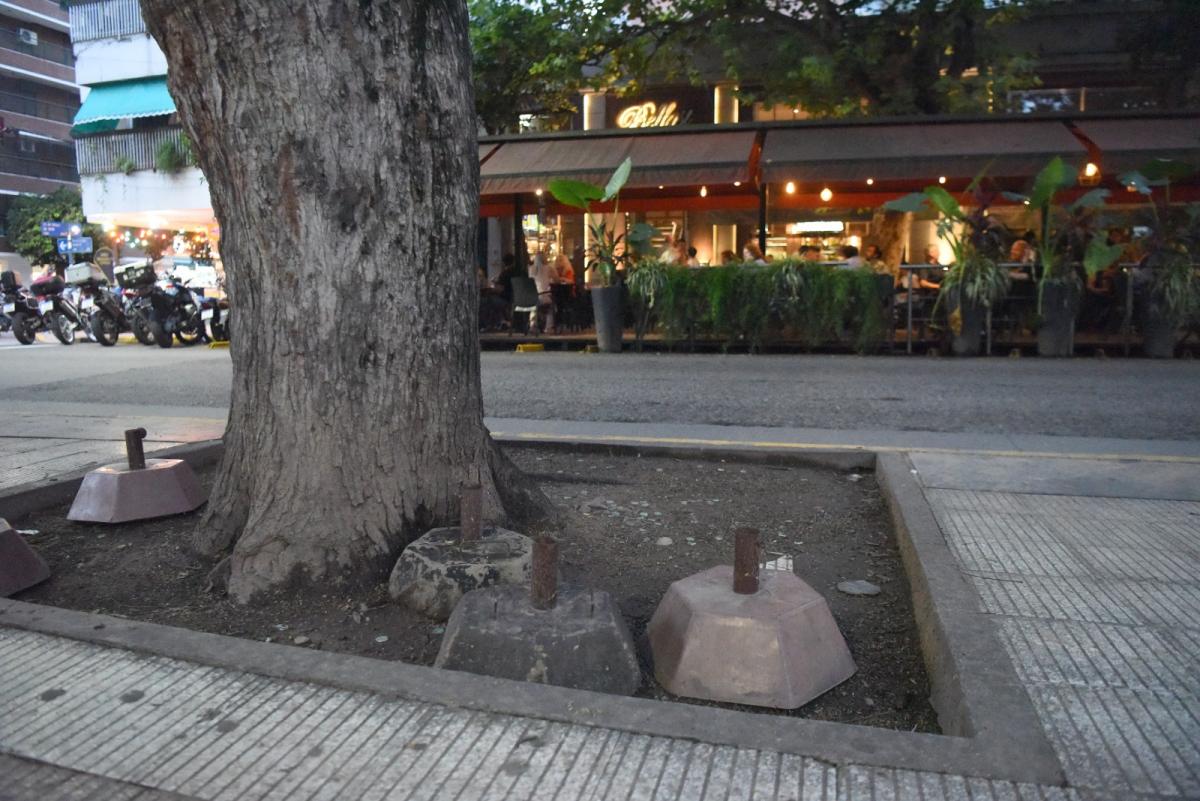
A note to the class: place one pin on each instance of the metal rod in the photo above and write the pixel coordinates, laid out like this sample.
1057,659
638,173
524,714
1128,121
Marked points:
470,506
133,448
745,561
543,589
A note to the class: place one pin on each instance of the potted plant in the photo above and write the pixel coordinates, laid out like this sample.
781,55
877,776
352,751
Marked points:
1071,252
1165,285
608,250
976,280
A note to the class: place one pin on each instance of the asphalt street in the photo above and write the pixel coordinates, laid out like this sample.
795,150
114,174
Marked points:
1115,398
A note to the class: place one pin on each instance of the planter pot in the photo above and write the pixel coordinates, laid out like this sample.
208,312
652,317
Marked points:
1158,335
606,306
1060,305
970,318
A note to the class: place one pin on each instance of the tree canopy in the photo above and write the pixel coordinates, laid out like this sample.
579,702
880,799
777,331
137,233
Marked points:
833,58
25,216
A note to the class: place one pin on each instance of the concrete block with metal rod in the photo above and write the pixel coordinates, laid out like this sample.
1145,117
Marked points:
20,565
566,636
143,489
732,634
442,565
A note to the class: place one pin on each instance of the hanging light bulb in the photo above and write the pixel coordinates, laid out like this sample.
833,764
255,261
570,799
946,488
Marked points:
737,183
1091,170
870,182
826,194
538,192
941,179
704,191
790,187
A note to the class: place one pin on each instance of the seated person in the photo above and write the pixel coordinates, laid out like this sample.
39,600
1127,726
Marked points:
851,259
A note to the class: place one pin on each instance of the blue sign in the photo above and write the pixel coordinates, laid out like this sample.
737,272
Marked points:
77,244
61,228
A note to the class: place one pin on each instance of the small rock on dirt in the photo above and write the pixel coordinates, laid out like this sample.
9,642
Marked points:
663,541
301,640
858,587
382,638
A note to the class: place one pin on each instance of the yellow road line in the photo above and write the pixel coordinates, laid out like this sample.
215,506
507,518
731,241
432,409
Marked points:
822,446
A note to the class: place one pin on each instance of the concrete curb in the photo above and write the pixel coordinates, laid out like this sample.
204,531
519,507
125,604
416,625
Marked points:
991,729
34,497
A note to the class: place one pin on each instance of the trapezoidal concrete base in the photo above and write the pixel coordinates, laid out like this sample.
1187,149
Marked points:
582,642
117,494
438,568
779,647
20,565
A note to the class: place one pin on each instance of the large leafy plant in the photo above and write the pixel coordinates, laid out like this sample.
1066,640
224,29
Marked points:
1070,242
608,249
1173,245
974,237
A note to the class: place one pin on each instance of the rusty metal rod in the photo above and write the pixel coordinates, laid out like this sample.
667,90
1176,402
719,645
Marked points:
470,507
543,588
133,448
746,546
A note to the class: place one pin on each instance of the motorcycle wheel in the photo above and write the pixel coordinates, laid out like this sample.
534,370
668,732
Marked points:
190,334
141,329
218,332
163,338
23,328
63,328
105,328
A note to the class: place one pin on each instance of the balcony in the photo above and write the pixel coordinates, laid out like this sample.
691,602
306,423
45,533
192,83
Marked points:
127,151
33,107
106,19
53,163
47,51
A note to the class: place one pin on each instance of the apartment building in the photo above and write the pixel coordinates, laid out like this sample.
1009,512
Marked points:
38,101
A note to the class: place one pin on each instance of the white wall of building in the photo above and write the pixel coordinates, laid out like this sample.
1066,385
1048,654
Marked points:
149,199
104,60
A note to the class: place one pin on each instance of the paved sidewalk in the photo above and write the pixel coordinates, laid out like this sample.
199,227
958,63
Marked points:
1096,600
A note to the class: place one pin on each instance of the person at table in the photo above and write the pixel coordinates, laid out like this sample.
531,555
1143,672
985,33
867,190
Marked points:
810,253
728,257
543,276
850,258
692,261
1023,256
752,253
563,269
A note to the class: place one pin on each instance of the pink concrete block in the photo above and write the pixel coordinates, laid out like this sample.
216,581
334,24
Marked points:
779,647
20,565
116,494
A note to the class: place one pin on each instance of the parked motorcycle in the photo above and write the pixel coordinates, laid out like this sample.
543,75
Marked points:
41,307
167,308
103,311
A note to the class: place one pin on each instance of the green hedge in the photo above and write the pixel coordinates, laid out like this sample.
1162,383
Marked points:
749,305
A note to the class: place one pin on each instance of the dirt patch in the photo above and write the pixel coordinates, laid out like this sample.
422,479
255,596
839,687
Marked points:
636,525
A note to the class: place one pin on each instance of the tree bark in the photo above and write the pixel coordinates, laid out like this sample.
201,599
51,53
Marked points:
889,231
338,141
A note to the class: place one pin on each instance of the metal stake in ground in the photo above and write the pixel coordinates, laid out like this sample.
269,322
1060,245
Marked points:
543,589
470,508
746,549
133,448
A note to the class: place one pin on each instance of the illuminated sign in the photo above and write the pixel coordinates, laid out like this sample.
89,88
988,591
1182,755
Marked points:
649,115
816,227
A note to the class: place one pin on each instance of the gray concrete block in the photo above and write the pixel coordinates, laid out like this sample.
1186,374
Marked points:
438,568
20,565
582,642
779,647
117,494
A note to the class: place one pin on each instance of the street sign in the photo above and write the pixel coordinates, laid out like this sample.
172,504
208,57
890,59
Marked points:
104,258
77,244
61,228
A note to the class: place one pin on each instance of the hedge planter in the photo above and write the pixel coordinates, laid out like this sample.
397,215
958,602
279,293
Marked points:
967,341
1060,305
606,306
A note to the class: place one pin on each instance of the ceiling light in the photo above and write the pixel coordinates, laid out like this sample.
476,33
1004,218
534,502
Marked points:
737,183
537,192
827,194
941,179
870,182
1091,170
790,188
704,191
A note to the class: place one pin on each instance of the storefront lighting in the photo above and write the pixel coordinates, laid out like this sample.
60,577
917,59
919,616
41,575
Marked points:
660,186
737,183
826,194
537,192
870,182
704,191
816,227
941,179
1091,170
790,188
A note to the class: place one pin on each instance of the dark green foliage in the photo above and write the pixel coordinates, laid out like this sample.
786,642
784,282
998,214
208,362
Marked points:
25,217
751,305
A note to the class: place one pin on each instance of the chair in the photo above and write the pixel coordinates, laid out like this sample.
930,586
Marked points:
525,300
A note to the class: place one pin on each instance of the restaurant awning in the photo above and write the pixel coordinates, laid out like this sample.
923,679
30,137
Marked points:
916,151
108,103
686,159
1131,143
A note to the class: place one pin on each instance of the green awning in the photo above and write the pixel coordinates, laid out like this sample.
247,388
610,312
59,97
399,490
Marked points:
107,103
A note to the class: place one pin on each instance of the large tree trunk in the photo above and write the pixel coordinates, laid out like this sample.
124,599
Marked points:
338,140
889,231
